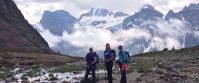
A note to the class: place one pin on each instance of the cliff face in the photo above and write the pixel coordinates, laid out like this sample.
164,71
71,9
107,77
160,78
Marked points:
16,32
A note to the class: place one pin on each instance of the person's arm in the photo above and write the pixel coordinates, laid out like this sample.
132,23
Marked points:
105,60
112,57
86,60
95,60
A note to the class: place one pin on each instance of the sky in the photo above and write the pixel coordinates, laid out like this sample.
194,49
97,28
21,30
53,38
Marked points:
33,9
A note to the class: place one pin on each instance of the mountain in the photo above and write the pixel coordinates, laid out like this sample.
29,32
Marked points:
152,32
189,13
16,33
147,12
102,18
58,21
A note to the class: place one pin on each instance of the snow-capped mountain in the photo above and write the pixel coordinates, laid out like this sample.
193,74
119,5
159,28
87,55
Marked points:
144,31
189,13
146,13
102,18
58,21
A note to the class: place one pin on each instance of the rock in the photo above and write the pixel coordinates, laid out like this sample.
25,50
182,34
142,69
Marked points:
51,75
66,82
90,80
25,81
76,72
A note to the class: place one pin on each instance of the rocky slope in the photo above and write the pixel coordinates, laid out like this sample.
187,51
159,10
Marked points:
16,32
167,66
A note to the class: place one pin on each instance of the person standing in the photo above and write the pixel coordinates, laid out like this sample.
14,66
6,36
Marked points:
108,59
123,63
91,60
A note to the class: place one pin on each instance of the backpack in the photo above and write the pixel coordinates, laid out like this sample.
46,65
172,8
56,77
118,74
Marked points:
114,55
128,57
97,56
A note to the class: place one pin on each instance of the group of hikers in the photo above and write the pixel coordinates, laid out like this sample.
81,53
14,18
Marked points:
109,57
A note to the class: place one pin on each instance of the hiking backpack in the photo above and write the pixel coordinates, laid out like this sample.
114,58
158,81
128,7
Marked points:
114,55
97,56
128,57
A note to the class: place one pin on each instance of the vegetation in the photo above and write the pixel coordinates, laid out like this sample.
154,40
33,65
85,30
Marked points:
5,73
68,68
141,65
24,77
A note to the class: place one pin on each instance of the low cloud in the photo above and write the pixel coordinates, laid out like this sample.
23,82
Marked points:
166,34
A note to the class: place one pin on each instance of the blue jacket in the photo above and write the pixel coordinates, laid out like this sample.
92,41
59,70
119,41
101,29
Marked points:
108,54
90,57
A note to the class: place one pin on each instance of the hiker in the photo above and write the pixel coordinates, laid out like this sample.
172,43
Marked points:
109,55
123,63
91,60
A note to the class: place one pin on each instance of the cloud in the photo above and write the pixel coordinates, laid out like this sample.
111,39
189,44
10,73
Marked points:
173,28
166,34
165,5
48,36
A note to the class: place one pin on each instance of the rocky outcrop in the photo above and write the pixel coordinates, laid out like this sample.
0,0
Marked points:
16,32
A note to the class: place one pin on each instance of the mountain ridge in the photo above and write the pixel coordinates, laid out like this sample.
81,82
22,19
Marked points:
147,19
16,32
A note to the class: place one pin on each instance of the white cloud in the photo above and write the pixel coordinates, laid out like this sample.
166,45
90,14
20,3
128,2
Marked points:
173,27
90,37
168,34
48,36
129,35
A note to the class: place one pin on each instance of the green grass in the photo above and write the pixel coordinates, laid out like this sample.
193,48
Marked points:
67,68
5,73
141,65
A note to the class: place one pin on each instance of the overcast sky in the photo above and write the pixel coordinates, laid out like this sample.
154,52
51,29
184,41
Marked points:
33,9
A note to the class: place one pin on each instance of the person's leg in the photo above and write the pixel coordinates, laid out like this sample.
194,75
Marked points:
109,70
86,75
123,77
93,75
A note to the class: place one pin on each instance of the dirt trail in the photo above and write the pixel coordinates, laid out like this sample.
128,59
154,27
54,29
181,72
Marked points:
131,77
